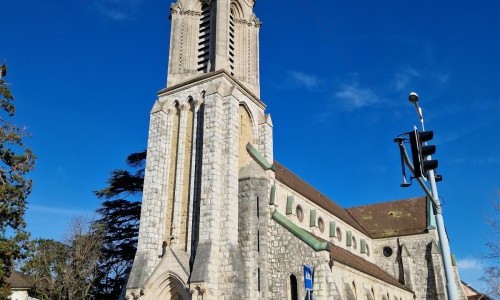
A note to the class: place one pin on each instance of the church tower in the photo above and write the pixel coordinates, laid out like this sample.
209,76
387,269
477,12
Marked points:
201,128
211,35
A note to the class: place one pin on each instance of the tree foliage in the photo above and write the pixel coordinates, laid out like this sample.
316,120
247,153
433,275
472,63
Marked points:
66,271
47,264
492,271
16,159
120,213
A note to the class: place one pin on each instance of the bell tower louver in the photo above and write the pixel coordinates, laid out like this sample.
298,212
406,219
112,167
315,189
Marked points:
212,35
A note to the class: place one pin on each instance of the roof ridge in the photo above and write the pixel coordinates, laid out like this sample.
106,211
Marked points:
386,202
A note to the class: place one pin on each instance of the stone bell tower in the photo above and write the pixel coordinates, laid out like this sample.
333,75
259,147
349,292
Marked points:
211,35
200,128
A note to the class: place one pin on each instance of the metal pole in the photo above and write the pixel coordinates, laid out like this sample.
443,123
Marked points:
444,244
443,237
443,241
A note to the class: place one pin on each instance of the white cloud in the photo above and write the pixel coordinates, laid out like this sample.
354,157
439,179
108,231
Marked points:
441,78
352,96
407,77
117,9
469,264
309,81
402,79
56,210
486,161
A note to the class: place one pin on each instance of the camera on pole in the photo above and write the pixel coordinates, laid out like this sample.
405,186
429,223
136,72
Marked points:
420,150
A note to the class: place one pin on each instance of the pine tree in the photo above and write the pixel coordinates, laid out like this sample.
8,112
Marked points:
120,213
16,159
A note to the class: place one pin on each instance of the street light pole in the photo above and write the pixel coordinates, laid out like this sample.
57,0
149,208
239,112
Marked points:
444,244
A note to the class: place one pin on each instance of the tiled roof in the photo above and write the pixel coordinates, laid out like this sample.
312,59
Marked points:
291,180
479,297
358,263
473,294
396,218
17,280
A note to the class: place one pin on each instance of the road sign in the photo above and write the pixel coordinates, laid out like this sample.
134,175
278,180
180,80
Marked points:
308,278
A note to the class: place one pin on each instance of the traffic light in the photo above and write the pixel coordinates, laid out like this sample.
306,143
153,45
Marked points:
420,150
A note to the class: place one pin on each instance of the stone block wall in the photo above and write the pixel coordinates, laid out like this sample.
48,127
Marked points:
285,194
287,255
253,229
354,284
151,229
416,261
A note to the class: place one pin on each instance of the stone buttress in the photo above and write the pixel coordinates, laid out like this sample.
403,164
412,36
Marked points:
189,234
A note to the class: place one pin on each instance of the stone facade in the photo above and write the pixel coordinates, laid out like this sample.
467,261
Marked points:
221,219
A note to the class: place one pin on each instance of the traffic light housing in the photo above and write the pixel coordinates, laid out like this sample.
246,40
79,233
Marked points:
420,150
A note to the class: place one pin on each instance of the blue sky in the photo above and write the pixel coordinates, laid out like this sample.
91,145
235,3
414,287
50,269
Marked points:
335,76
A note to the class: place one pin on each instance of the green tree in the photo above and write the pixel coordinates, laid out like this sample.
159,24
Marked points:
119,219
16,159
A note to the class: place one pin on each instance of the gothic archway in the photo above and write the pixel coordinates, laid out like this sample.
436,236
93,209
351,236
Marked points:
168,287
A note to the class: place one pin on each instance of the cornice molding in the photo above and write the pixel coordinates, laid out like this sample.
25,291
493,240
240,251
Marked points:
203,78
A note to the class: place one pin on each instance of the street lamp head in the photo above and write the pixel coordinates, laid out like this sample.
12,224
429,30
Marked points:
413,97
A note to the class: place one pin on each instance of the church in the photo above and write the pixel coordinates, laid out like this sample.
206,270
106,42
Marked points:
221,219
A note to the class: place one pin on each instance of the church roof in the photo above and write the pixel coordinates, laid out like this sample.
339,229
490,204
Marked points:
473,294
396,218
296,183
358,263
380,220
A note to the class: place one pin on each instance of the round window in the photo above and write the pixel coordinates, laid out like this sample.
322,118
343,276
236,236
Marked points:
339,234
387,251
300,213
321,225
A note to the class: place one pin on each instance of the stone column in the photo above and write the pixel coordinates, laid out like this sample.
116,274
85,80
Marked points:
229,210
152,213
266,138
438,270
222,35
208,251
406,261
181,164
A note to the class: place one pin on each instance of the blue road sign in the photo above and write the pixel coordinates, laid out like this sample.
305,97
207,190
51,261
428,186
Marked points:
308,278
